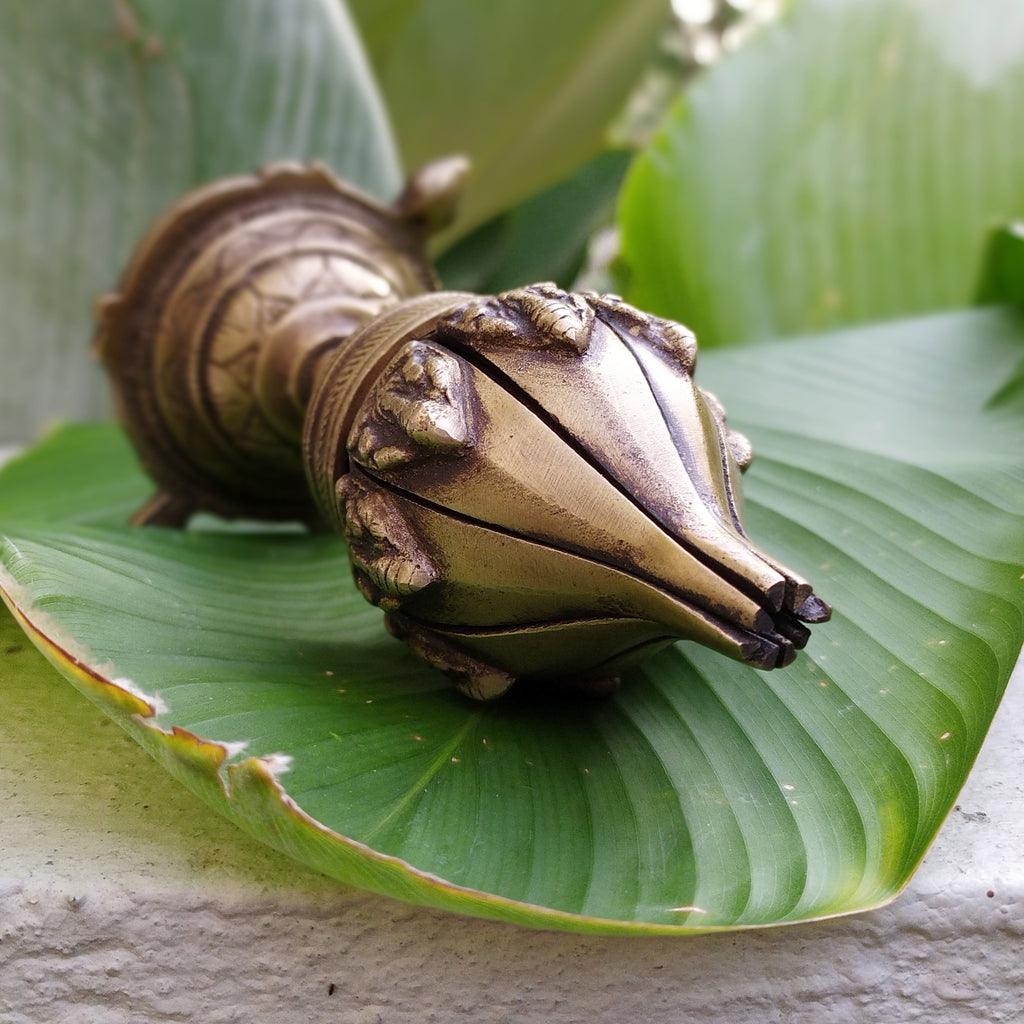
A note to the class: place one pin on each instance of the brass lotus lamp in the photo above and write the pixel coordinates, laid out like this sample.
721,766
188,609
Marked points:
531,484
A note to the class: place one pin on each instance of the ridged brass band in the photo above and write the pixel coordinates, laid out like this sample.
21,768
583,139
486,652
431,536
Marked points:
344,382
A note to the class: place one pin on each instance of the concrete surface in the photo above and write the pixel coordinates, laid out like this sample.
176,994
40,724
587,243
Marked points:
123,898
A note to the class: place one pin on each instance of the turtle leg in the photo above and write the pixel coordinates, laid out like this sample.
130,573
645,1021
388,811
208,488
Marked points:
164,509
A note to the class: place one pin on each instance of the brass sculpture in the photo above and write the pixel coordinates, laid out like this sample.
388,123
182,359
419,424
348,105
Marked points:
531,484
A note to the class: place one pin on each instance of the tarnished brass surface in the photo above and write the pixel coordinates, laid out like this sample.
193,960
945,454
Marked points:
531,484
229,304
534,486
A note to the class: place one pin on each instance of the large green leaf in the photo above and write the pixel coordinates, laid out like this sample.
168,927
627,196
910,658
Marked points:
703,794
846,166
109,111
526,89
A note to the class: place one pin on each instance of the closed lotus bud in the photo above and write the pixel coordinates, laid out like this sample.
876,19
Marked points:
531,484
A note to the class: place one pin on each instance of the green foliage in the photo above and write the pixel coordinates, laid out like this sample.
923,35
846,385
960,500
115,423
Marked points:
110,111
525,89
847,166
1002,273
543,238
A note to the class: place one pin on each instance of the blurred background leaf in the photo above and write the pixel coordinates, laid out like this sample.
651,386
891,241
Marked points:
527,89
844,166
544,238
1002,271
109,111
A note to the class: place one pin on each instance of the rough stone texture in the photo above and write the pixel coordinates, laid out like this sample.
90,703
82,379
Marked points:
122,897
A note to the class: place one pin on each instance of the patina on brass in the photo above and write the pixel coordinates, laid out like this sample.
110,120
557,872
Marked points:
531,484
226,310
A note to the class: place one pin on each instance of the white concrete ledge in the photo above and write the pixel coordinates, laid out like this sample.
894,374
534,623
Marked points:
123,898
